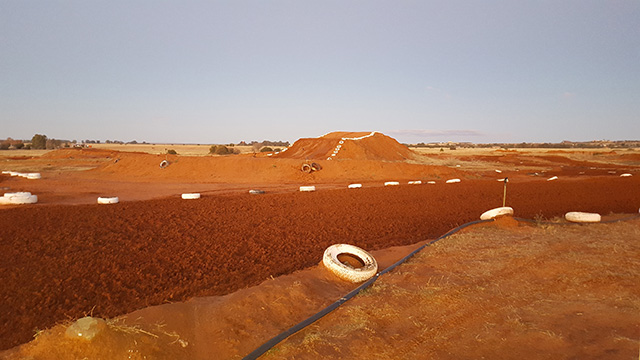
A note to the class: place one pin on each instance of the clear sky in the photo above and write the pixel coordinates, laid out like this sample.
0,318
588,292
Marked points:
226,71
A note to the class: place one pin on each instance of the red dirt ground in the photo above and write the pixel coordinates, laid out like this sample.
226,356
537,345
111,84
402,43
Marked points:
67,256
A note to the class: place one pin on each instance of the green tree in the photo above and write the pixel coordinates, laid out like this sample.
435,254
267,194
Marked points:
39,141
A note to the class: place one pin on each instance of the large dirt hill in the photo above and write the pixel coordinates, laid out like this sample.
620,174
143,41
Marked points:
349,145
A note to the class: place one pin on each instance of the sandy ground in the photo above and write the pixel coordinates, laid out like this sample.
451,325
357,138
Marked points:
66,256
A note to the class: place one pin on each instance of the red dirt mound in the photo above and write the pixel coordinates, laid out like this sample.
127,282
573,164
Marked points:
349,145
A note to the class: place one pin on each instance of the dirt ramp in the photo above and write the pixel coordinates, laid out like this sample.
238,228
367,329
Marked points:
349,146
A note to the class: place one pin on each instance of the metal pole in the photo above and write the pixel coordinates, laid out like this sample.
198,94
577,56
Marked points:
504,196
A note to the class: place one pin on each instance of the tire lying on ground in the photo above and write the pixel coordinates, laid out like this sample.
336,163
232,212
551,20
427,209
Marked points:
366,265
306,168
501,211
392,183
355,186
189,196
17,198
256,192
307,188
108,200
582,217
164,164
452,181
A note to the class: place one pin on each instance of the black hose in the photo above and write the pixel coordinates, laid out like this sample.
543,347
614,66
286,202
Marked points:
301,325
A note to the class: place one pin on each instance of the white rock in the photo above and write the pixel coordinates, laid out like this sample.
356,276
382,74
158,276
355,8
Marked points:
85,328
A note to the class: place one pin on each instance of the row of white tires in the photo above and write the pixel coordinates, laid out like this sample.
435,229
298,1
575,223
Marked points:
573,216
369,268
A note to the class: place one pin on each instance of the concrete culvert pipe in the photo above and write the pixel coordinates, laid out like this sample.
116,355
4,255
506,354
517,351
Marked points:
349,262
108,200
191,196
493,213
582,217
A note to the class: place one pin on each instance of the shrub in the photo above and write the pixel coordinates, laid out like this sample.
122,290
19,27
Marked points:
266,149
172,152
39,141
220,150
4,146
19,146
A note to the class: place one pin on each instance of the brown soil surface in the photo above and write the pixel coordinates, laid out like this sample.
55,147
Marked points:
67,256
498,290
63,261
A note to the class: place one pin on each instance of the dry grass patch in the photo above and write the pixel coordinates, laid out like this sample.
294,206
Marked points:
493,292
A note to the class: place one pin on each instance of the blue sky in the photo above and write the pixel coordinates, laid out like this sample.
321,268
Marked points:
226,71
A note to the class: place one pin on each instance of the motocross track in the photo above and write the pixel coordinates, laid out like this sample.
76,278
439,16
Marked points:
67,256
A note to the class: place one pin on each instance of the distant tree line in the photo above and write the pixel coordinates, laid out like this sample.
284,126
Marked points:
264,143
528,145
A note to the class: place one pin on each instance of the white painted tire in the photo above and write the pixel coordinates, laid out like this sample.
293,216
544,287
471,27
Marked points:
307,188
391,183
625,175
582,217
417,182
453,181
34,176
191,196
108,200
15,173
13,194
19,198
501,211
431,182
355,186
256,192
552,178
6,172
346,272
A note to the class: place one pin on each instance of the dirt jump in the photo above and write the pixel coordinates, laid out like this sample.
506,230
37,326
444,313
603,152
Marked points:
67,256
